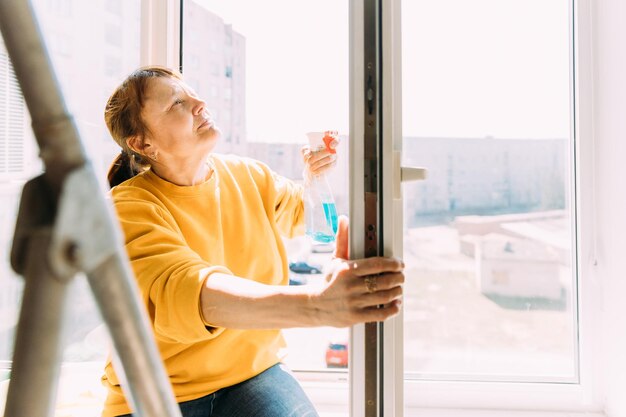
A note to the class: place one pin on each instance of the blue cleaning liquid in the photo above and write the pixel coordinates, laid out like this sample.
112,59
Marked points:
330,213
321,237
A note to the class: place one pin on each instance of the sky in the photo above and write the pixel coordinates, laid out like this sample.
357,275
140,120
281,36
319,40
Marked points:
495,68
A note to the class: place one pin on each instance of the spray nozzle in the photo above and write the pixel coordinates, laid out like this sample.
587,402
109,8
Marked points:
329,137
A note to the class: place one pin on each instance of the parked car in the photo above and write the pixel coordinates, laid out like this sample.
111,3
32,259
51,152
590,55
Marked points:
304,268
337,354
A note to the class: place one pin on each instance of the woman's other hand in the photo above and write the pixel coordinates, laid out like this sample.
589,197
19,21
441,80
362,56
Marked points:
360,290
317,162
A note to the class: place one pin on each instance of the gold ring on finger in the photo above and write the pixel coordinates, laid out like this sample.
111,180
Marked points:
370,284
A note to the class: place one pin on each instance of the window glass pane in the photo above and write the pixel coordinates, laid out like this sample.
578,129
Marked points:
488,241
88,65
267,82
13,124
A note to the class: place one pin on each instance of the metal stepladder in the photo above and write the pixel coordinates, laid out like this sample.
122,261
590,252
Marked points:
65,226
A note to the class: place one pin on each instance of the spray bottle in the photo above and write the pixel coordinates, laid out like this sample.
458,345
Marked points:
320,210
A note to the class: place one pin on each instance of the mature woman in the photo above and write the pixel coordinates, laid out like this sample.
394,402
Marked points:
203,233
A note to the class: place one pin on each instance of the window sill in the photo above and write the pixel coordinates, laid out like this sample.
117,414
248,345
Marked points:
80,394
329,392
438,412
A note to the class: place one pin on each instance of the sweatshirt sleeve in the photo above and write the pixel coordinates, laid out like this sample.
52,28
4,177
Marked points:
170,275
288,206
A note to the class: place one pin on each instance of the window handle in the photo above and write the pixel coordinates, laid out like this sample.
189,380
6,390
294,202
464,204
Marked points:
408,174
405,174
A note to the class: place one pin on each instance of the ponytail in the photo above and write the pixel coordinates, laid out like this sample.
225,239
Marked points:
124,167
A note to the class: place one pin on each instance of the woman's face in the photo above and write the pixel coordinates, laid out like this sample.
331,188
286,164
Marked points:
180,127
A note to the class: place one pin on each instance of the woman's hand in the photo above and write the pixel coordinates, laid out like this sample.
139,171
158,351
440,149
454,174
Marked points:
317,162
361,290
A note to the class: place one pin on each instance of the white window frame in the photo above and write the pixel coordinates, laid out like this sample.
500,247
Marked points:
585,396
160,33
392,334
393,378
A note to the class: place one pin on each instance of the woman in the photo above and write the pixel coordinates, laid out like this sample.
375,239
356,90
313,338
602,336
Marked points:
203,233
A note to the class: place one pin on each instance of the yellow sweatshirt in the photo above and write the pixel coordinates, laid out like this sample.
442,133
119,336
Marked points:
231,223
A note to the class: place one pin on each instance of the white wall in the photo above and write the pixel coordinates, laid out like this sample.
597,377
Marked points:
609,113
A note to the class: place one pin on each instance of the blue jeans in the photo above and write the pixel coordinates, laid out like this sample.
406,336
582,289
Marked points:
272,393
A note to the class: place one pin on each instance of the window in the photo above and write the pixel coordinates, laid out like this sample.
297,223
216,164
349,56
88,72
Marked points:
87,77
267,114
61,43
492,291
113,34
192,61
490,232
13,125
12,121
62,8
114,6
112,66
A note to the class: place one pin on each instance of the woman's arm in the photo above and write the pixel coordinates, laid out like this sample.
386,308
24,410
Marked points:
348,296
